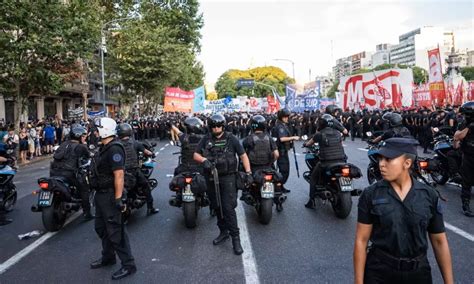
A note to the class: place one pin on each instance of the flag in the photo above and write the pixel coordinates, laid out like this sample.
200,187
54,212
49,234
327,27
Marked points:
278,100
227,100
290,97
199,97
380,90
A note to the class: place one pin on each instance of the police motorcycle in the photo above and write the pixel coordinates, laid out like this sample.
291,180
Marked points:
189,187
148,164
438,165
8,193
336,179
57,199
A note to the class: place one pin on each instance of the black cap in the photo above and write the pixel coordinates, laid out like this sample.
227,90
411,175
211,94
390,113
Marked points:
395,147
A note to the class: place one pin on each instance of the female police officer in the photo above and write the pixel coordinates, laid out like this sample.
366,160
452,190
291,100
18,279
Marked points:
396,214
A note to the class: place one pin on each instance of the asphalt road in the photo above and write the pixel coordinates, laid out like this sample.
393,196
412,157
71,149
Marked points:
298,246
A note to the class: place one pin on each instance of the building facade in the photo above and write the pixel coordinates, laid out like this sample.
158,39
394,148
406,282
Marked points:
347,65
381,55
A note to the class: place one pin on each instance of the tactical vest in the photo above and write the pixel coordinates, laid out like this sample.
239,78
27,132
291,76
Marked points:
260,154
188,148
102,180
401,131
65,157
131,160
331,147
218,152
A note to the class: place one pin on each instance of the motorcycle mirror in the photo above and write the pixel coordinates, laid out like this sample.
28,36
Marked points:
368,133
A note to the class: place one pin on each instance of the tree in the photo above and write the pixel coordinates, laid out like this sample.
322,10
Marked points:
468,73
420,75
333,90
42,45
361,70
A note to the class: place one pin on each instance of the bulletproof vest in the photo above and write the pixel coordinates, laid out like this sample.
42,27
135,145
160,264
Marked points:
65,157
131,160
218,151
188,148
331,147
401,131
101,179
260,154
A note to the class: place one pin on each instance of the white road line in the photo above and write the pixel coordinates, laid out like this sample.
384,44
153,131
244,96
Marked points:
363,149
24,252
248,259
167,144
459,231
162,148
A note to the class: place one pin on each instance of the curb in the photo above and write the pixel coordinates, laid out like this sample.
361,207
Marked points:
36,160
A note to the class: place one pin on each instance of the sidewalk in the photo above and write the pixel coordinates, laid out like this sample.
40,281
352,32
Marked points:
34,161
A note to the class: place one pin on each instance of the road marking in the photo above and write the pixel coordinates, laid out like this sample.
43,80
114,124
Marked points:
248,259
459,231
24,252
363,149
167,144
162,148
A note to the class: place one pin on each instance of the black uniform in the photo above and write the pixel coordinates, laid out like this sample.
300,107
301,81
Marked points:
222,152
281,130
259,148
467,148
141,180
66,163
108,221
189,144
399,232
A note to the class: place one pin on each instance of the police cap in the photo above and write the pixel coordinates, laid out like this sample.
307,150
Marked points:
395,147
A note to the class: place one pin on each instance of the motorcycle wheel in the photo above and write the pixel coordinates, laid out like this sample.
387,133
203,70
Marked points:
53,218
190,214
265,211
342,205
8,206
439,177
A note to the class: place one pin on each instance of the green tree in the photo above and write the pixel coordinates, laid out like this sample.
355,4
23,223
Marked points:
42,44
468,73
332,91
361,70
420,75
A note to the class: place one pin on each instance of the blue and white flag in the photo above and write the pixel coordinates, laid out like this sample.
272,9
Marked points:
199,98
227,100
290,97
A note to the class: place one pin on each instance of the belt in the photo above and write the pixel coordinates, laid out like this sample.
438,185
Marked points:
105,190
402,263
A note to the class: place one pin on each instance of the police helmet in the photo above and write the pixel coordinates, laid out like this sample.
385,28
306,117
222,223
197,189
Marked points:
193,125
467,109
216,120
124,130
326,120
258,123
393,118
331,109
106,126
77,131
284,112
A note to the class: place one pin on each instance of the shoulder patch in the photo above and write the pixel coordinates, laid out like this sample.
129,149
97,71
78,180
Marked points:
117,157
439,207
281,130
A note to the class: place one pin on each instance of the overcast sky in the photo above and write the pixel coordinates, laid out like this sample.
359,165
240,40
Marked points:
241,34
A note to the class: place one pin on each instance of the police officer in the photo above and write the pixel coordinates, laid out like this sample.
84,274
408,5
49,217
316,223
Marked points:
133,175
260,148
194,128
219,149
5,158
465,136
285,143
66,161
330,151
396,214
395,122
108,180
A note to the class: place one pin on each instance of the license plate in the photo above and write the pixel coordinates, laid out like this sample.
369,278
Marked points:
44,198
267,190
345,183
188,197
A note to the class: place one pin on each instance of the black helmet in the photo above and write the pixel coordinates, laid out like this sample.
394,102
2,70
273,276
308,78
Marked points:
331,109
258,122
216,120
393,118
193,125
124,130
326,120
284,112
467,109
77,131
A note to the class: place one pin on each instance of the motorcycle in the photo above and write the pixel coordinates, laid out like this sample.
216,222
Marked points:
8,193
439,167
265,190
147,164
191,195
57,198
336,182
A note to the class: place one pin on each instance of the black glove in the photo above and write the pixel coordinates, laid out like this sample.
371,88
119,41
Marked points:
120,205
153,156
207,164
248,180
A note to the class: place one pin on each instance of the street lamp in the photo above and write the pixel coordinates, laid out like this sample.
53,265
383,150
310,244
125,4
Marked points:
292,64
102,36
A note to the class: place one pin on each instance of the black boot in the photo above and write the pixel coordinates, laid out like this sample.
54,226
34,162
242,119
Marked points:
223,236
152,210
456,178
238,250
311,204
466,209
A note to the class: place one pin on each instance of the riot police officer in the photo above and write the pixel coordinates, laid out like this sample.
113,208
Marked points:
220,149
465,135
330,151
397,129
66,161
133,176
284,143
5,158
108,181
396,215
194,128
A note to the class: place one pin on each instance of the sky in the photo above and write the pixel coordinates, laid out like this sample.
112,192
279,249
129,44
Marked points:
242,34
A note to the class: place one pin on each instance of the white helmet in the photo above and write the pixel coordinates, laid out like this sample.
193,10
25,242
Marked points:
106,126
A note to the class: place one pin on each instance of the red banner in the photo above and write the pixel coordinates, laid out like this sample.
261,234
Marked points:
470,93
422,96
436,82
178,100
273,105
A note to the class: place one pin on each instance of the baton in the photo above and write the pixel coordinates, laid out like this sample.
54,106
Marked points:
215,176
296,161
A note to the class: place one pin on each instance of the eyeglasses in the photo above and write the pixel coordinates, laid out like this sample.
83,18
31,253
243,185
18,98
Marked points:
216,126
